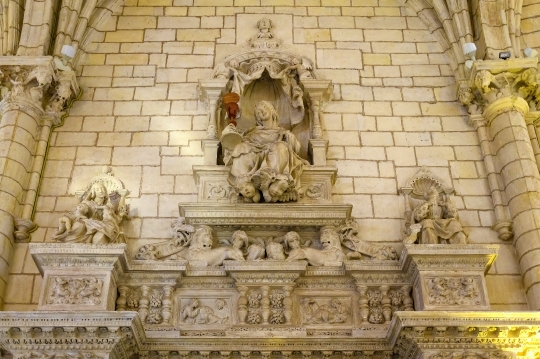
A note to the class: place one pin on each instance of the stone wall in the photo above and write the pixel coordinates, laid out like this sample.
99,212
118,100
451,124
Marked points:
530,24
394,110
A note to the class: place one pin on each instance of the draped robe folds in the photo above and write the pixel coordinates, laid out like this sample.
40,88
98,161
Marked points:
262,147
287,83
434,225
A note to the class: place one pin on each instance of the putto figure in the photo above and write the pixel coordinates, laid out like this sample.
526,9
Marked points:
331,253
439,220
266,161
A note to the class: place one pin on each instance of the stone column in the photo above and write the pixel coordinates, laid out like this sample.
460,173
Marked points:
502,91
23,84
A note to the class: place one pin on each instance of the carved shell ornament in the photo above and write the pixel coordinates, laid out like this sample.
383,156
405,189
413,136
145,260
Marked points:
422,181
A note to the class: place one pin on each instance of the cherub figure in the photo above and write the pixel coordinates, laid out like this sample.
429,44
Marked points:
65,222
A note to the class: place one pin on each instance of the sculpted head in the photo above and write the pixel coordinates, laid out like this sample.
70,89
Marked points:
330,238
98,193
239,239
203,238
292,239
82,209
432,193
265,114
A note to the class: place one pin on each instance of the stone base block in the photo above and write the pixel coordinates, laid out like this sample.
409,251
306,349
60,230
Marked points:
450,277
78,276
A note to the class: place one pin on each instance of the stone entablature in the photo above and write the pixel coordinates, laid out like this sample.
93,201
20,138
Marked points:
272,293
119,335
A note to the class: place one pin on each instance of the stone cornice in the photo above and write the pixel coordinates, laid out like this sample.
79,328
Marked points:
122,334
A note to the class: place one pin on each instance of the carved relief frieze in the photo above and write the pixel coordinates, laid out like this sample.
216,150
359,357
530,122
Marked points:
67,355
315,185
205,311
73,290
335,310
454,291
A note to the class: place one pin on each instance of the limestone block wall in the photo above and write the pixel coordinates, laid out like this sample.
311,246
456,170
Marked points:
530,24
394,110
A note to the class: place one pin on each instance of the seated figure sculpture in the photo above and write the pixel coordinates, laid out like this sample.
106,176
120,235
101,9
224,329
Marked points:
439,220
266,161
95,220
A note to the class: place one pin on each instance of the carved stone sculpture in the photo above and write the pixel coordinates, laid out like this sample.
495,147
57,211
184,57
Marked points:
252,248
430,213
267,160
197,313
453,291
331,253
65,290
349,233
171,249
439,219
201,253
265,38
334,312
98,216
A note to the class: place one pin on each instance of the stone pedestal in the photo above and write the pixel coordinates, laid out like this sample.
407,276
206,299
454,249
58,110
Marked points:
450,277
212,186
80,277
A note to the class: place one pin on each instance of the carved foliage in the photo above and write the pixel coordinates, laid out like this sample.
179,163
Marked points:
454,291
69,290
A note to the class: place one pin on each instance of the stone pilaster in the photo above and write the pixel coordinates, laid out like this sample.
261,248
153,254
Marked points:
501,92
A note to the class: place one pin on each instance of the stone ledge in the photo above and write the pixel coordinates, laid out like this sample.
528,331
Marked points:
266,214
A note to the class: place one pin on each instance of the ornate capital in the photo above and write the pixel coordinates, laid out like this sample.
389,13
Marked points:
34,85
497,86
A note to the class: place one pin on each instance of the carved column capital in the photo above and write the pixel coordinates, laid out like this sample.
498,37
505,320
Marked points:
35,86
495,87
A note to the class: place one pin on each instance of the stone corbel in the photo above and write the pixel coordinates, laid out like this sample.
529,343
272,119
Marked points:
211,92
318,92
